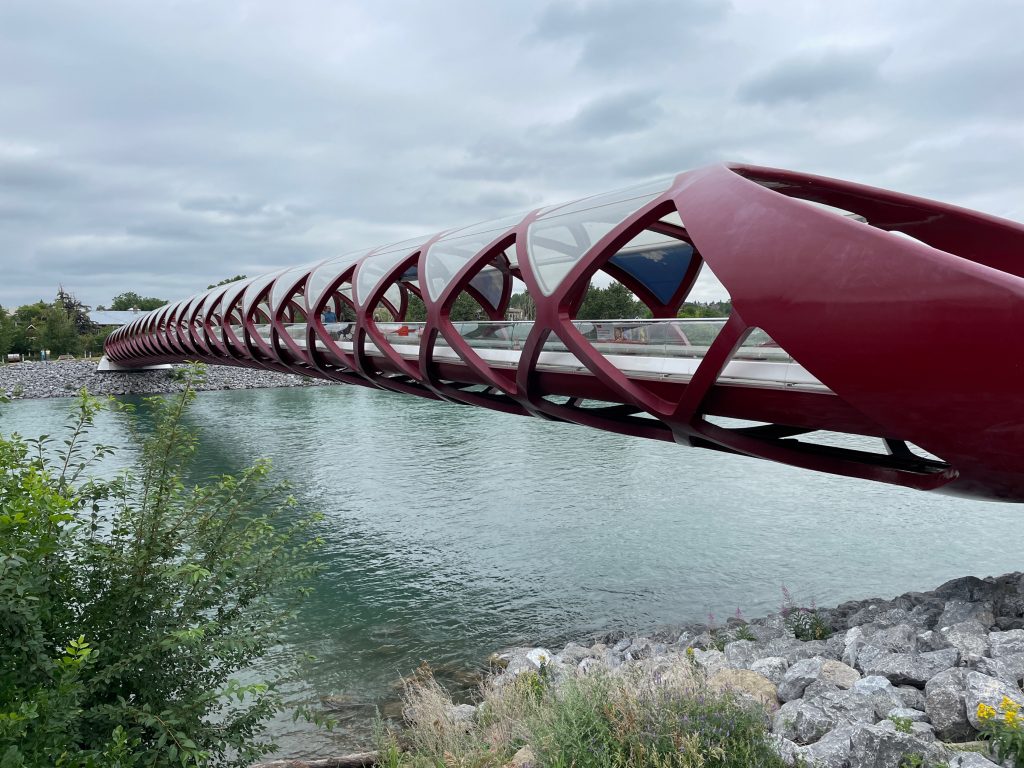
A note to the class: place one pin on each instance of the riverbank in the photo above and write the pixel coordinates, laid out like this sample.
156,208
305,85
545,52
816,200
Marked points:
912,681
64,378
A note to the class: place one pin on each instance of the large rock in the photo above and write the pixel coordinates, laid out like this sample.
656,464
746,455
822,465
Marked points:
912,697
805,721
958,611
879,614
970,760
965,610
1006,643
882,693
709,661
968,589
901,638
798,677
793,650
573,654
853,641
772,667
945,704
911,669
970,638
839,674
769,628
982,689
741,653
748,684
830,751
876,746
785,748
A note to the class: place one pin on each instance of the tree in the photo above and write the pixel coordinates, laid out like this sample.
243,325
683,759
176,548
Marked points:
28,324
464,309
75,310
124,302
524,301
59,334
705,309
615,302
128,605
7,331
234,279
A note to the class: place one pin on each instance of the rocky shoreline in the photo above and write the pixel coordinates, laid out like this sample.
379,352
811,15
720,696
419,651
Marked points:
64,378
896,683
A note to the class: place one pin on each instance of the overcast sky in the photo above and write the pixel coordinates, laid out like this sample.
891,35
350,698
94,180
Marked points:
161,146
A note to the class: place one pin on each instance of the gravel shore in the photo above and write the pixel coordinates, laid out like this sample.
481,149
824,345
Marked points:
66,378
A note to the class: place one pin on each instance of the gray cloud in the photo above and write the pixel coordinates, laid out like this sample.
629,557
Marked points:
618,113
816,74
613,34
159,147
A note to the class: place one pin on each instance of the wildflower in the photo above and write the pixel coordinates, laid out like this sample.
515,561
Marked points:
1010,717
1009,705
985,712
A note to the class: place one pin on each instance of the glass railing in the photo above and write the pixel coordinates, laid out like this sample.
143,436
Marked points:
620,341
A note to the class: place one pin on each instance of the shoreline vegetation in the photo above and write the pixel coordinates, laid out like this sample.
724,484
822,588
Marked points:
924,680
130,603
133,606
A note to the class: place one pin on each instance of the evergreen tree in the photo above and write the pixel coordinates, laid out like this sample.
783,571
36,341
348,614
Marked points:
76,310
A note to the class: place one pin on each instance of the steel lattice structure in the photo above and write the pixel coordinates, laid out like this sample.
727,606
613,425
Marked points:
855,310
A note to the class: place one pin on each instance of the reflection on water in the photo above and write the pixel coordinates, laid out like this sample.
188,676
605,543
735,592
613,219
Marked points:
453,531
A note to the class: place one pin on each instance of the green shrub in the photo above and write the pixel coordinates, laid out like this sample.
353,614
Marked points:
805,623
128,606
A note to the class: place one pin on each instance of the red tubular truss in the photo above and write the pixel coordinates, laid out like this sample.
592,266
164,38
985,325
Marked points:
880,315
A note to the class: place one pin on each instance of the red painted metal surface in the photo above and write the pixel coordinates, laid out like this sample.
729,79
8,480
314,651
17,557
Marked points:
905,312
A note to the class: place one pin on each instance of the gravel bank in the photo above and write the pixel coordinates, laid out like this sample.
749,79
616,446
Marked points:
66,378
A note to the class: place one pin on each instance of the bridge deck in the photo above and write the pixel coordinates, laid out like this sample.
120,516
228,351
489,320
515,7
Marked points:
627,345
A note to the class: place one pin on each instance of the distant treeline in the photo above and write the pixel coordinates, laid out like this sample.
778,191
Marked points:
61,326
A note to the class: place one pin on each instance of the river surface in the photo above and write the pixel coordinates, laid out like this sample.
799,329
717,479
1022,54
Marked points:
452,532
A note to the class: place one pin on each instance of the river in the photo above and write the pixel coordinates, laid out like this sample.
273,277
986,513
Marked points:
452,531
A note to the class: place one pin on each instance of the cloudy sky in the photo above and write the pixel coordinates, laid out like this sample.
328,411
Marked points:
162,146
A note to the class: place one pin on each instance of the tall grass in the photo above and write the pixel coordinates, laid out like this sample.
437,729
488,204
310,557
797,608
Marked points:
655,715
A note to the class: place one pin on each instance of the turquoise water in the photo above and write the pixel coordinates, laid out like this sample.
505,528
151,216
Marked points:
452,532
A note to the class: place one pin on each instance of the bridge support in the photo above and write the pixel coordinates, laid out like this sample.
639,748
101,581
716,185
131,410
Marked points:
108,366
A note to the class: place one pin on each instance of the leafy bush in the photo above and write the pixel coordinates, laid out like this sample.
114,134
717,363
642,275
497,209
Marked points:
127,606
806,623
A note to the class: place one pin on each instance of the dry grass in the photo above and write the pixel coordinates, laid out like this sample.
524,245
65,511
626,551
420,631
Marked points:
651,714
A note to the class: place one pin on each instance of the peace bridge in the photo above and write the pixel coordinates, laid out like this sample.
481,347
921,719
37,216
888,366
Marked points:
872,334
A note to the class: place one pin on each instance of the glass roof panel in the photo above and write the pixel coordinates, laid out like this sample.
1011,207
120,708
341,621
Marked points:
451,253
489,281
255,288
326,274
231,295
557,241
373,269
286,282
394,295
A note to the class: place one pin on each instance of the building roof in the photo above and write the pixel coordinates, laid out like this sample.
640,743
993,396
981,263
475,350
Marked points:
113,317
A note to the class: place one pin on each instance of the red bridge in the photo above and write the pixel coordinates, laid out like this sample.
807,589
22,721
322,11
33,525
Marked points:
873,334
